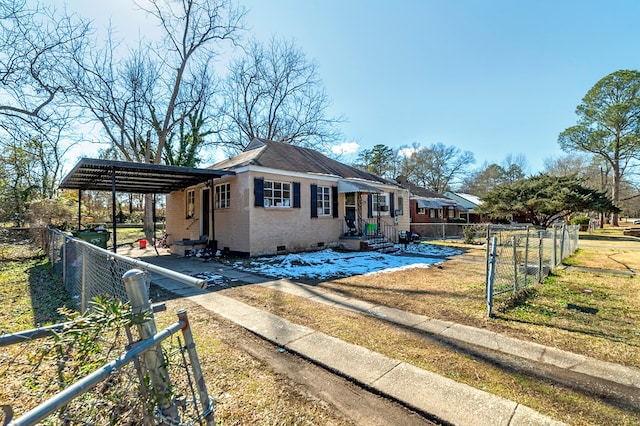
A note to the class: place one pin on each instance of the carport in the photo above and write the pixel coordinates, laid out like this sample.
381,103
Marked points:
91,174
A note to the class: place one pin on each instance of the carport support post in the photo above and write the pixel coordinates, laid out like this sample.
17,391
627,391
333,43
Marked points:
79,208
113,209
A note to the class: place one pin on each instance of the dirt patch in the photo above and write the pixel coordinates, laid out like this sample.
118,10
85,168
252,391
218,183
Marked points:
338,401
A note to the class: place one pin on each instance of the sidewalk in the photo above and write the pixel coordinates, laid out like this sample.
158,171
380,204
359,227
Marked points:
414,387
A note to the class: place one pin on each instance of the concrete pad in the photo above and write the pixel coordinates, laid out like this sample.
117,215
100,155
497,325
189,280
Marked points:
520,348
273,328
397,316
225,306
476,336
434,326
525,416
352,361
560,358
447,399
628,376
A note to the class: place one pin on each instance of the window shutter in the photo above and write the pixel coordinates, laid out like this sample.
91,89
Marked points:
258,192
314,200
296,195
392,204
334,200
369,205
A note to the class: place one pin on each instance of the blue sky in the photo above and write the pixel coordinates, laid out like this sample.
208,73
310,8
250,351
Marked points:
491,77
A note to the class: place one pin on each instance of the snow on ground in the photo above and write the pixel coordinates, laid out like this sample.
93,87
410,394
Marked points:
332,264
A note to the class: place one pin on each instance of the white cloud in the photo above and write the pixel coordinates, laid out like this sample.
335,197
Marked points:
345,148
406,152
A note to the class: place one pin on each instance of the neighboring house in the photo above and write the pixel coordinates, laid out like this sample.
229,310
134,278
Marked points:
284,198
427,206
468,202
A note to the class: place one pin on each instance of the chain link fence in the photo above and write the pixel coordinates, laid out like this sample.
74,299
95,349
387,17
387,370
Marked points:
521,255
107,365
454,231
88,271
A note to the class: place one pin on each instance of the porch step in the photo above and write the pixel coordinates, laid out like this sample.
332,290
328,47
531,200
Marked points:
379,245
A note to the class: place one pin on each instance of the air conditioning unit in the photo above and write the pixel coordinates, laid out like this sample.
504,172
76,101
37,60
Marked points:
384,208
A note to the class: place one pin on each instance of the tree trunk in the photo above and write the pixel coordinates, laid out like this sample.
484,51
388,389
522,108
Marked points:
615,193
148,218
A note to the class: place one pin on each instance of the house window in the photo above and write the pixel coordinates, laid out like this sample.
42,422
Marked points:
191,203
324,201
422,210
223,196
380,204
432,213
277,194
451,212
400,207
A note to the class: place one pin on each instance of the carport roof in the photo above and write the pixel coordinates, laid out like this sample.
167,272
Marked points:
140,178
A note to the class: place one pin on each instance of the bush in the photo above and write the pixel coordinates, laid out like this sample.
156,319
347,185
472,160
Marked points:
456,220
580,220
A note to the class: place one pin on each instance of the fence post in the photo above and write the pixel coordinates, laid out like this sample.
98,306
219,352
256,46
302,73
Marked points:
491,276
189,343
526,258
515,265
83,284
540,254
138,295
562,240
554,248
64,258
487,260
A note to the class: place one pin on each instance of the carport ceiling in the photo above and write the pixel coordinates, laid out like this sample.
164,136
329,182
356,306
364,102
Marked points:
139,178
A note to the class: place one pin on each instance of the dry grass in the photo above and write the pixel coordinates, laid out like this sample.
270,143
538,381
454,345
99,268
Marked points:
246,390
454,291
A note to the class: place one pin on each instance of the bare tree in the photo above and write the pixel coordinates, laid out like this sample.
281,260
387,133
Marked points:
438,166
140,101
35,45
274,92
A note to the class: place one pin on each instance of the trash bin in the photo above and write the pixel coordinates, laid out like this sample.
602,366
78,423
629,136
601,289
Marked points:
143,244
98,238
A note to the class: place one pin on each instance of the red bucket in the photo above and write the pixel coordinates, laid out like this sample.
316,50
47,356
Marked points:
143,244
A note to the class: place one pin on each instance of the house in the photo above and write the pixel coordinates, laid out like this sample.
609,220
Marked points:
468,202
427,206
282,198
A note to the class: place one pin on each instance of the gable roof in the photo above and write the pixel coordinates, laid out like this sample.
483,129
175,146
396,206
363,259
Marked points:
467,200
283,156
418,191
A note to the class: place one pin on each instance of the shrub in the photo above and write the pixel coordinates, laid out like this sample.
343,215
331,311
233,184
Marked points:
580,220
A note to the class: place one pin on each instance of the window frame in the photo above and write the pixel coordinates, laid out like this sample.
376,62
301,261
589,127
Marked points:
324,200
272,201
190,204
223,196
375,204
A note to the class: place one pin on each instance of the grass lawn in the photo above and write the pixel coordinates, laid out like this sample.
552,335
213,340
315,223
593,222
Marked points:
246,392
601,323
587,311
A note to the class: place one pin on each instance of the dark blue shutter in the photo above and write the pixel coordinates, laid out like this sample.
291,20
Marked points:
296,195
392,204
334,200
369,205
258,191
314,200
